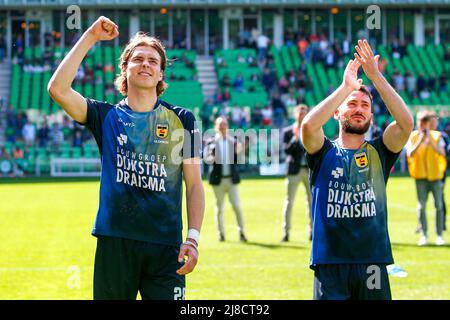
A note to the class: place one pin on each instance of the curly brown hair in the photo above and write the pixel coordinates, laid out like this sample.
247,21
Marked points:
140,39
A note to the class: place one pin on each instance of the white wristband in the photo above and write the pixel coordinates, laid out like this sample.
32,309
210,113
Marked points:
194,234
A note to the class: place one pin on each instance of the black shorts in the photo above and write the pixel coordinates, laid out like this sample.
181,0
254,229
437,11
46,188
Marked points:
124,267
351,282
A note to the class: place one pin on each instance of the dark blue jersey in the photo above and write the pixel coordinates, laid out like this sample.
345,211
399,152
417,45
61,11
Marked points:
349,206
141,178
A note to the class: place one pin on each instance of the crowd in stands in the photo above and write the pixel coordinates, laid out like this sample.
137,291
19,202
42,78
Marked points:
284,92
20,129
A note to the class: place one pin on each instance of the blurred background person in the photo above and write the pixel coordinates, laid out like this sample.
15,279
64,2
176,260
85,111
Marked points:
426,164
222,152
296,171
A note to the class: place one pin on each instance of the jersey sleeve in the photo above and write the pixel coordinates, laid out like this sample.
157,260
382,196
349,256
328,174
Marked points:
314,160
96,114
192,145
387,157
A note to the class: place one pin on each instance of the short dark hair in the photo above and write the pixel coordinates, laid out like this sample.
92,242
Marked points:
365,90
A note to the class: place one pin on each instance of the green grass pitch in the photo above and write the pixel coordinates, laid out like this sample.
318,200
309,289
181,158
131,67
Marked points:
47,252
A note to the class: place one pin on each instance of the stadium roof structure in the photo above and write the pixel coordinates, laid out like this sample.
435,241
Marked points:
215,3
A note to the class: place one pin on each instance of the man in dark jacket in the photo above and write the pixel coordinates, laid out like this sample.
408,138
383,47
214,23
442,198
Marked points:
222,152
296,170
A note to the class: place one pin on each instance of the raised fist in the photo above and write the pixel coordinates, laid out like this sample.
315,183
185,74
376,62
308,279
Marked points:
104,29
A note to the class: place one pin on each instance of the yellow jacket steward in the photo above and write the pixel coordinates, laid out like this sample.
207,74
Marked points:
426,163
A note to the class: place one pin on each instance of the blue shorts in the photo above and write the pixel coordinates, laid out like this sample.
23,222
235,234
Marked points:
351,282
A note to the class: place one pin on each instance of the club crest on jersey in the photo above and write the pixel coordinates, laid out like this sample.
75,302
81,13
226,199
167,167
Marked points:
162,130
361,160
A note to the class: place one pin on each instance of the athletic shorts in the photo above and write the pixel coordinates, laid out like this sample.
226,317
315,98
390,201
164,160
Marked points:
351,282
124,267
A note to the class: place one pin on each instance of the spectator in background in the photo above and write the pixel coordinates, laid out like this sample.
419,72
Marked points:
399,81
432,82
19,157
88,75
283,85
221,62
279,112
218,97
296,171
402,48
256,116
267,115
254,77
56,138
268,80
292,77
67,127
330,59
238,83
222,152
434,126
410,83
18,44
245,117
289,100
447,54
421,83
345,46
302,84
4,155
425,94
443,83
80,74
226,97
2,47
426,164
302,44
207,113
235,116
226,82
109,90
29,134
108,68
252,62
10,117
43,135
77,139
262,45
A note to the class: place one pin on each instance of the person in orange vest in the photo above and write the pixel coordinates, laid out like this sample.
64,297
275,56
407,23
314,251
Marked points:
426,164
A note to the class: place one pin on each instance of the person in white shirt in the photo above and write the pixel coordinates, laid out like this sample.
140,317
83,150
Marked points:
29,134
222,153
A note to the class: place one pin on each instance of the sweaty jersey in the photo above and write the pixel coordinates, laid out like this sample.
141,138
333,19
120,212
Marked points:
141,177
349,208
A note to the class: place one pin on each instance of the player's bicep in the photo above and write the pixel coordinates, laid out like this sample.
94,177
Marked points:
312,140
73,103
395,138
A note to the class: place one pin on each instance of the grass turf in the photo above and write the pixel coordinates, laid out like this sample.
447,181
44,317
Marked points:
47,252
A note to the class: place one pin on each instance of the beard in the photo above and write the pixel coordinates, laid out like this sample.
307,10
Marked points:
352,129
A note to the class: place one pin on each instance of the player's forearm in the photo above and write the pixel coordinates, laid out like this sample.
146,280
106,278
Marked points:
195,198
64,75
320,114
394,103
